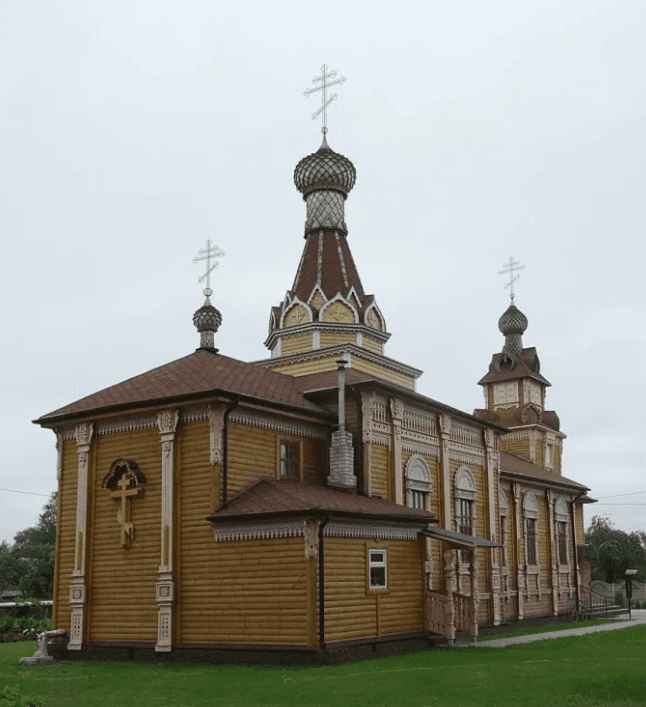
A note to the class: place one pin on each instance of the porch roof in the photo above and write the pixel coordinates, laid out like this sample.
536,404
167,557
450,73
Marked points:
461,540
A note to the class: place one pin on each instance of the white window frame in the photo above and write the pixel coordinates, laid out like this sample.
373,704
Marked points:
377,565
418,478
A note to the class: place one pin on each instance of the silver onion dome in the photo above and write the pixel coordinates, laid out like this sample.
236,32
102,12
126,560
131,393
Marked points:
324,170
513,321
207,320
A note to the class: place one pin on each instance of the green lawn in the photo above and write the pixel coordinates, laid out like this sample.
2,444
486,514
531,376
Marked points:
606,668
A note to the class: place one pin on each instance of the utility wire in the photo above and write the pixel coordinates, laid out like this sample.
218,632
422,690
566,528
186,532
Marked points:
633,493
29,493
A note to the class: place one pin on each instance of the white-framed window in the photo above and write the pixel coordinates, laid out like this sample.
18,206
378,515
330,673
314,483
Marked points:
377,568
289,459
530,506
418,483
465,505
562,517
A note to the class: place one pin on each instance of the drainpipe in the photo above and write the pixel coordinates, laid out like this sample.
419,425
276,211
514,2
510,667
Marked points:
322,525
342,363
225,451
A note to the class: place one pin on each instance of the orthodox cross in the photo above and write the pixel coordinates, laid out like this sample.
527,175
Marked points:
511,266
124,495
326,82
211,251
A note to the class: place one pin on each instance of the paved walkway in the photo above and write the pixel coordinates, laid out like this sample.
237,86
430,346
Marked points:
638,618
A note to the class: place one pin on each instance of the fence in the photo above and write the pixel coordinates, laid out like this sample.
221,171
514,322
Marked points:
610,589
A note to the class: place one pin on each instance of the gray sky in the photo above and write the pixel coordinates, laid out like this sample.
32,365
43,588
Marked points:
132,131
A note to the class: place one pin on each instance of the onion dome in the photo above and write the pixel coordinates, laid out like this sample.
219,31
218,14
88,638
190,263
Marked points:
513,321
325,169
207,320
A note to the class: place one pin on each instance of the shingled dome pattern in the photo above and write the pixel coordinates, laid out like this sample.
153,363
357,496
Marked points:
207,318
325,169
513,321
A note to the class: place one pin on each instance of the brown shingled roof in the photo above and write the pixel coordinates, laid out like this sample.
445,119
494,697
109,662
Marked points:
549,418
197,374
266,497
518,466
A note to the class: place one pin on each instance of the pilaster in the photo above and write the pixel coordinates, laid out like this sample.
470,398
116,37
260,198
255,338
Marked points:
167,424
367,401
492,477
520,560
83,434
397,414
554,581
445,436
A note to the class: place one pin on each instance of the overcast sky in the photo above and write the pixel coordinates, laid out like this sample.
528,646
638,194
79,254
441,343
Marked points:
132,131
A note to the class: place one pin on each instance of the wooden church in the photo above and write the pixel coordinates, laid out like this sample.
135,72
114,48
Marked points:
313,503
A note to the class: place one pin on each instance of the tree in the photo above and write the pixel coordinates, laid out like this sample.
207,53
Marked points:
32,554
613,551
9,568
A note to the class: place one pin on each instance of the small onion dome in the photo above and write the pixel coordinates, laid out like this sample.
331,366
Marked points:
325,169
513,321
207,318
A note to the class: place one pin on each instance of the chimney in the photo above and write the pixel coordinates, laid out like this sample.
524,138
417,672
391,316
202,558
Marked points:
342,474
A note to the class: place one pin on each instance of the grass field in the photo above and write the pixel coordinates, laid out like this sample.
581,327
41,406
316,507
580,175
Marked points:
600,669
548,628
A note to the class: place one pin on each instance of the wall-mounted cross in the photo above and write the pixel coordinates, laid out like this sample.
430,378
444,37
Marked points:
125,494
511,266
326,82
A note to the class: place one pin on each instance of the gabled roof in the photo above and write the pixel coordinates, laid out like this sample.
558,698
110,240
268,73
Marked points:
514,465
196,375
526,366
513,418
267,497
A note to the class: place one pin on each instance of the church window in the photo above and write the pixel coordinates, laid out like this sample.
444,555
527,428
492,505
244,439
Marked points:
289,459
418,483
531,541
377,565
465,493
503,539
561,534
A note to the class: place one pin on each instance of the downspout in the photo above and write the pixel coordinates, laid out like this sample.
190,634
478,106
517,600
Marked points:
225,450
322,525
359,448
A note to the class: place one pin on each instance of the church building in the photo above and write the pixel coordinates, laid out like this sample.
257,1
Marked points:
311,504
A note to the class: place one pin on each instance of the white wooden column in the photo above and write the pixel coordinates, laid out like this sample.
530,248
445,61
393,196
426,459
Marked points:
492,476
445,432
397,414
83,434
519,519
553,555
167,424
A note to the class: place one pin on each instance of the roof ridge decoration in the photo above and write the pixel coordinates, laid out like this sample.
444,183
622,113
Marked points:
207,318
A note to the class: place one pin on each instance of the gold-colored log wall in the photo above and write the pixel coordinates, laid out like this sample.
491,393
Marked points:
122,602
66,536
380,471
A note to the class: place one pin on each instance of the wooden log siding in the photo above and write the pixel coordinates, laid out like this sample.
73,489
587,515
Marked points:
65,531
351,612
315,461
122,602
244,592
252,453
380,482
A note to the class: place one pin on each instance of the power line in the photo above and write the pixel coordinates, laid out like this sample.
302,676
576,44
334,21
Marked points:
29,493
633,493
621,504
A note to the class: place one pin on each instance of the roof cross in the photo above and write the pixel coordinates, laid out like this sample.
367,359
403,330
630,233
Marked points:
211,251
326,82
511,266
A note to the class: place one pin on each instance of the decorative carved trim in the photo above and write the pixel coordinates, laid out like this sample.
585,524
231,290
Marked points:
466,435
259,530
69,434
311,535
128,424
367,409
445,425
338,529
256,419
380,440
420,447
216,431
419,422
59,455
167,421
462,457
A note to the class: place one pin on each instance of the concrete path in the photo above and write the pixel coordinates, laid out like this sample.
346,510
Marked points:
638,618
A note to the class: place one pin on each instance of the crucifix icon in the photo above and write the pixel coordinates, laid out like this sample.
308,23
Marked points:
511,266
326,82
125,494
211,251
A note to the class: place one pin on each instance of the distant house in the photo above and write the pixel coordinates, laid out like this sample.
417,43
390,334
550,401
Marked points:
313,501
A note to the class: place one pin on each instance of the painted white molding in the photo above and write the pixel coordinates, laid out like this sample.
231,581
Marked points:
257,419
128,424
258,530
340,529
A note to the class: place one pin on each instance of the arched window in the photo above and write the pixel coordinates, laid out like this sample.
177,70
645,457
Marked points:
530,506
418,483
465,505
561,517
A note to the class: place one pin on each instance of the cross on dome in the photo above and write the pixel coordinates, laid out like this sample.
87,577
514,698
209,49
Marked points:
511,266
211,251
326,82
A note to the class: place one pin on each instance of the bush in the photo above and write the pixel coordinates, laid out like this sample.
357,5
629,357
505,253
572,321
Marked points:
619,598
11,697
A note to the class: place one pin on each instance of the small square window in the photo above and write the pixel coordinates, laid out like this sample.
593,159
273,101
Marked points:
289,458
377,561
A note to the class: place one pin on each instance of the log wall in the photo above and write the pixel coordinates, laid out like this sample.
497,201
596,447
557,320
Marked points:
380,471
65,537
122,602
352,611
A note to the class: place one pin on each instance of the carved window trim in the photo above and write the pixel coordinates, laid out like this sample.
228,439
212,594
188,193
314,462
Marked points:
465,507
562,531
530,528
418,483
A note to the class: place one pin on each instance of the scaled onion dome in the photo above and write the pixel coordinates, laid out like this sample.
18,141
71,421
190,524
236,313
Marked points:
207,320
513,321
325,169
